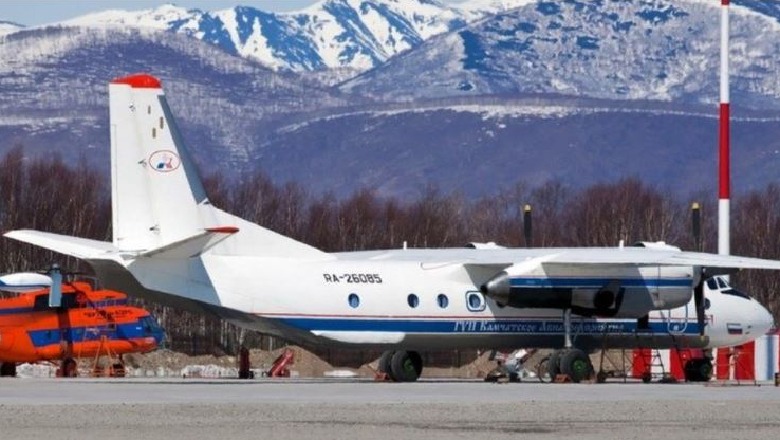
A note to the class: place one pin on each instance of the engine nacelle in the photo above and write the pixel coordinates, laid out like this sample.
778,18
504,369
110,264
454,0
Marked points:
23,282
610,290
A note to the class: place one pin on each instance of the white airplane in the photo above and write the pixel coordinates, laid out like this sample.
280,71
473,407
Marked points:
171,245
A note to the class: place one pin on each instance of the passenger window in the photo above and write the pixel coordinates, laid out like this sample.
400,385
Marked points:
354,300
413,300
475,302
442,300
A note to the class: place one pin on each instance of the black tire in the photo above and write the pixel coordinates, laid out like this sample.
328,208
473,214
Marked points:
7,369
70,368
601,377
647,377
118,370
554,365
384,364
543,370
698,370
576,364
406,366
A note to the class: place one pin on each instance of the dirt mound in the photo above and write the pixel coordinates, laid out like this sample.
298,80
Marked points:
307,364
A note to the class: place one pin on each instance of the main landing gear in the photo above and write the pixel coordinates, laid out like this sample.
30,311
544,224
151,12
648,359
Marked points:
571,362
400,365
698,370
568,361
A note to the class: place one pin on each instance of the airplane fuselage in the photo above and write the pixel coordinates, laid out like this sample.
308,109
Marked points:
412,304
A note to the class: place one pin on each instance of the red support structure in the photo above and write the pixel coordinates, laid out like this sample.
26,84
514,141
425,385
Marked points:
281,364
745,362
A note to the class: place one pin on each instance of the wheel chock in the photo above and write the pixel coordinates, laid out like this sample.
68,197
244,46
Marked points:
562,378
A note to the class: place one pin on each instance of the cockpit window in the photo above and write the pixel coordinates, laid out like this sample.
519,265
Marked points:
149,324
712,284
736,292
722,283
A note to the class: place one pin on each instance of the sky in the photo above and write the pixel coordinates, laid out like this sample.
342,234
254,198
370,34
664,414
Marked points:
36,12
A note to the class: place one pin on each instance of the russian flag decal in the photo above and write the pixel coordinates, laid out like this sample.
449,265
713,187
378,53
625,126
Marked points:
734,329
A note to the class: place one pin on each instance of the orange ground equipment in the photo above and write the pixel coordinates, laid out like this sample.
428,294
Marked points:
281,364
87,323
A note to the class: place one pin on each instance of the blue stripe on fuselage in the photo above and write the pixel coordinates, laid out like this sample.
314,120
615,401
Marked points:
519,326
598,282
42,338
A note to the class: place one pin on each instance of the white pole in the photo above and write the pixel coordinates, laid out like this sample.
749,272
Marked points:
724,173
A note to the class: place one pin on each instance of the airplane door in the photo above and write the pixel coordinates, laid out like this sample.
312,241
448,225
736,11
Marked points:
676,320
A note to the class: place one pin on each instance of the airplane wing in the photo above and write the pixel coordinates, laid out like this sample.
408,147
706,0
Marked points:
77,247
613,256
654,257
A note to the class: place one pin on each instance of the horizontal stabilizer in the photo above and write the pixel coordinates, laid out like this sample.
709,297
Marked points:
194,245
77,247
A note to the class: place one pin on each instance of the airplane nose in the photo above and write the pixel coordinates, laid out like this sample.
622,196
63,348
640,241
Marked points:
763,321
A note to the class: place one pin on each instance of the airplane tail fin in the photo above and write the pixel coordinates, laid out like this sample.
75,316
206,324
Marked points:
158,199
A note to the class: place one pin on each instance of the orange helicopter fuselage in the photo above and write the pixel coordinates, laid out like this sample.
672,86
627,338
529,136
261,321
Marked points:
88,322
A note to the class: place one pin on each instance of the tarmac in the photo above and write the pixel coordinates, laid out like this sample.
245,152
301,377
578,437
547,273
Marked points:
335,409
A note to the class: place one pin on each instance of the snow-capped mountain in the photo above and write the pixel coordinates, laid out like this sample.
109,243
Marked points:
9,27
581,91
355,34
637,50
54,91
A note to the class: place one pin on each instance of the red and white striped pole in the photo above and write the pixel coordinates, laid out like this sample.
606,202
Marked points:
724,188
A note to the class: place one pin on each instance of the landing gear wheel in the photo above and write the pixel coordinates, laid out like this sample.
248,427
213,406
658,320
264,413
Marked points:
576,364
554,364
543,370
601,377
698,370
69,368
406,366
647,377
384,364
118,370
7,369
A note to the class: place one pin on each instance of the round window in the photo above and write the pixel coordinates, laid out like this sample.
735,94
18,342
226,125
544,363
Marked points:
475,302
442,300
413,300
354,300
